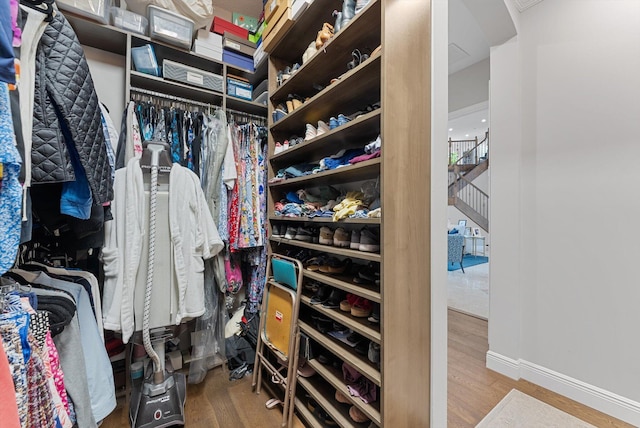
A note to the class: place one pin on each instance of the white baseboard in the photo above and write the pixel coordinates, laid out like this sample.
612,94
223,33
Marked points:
592,396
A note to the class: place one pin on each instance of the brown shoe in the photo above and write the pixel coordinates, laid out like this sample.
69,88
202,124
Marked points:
357,415
341,238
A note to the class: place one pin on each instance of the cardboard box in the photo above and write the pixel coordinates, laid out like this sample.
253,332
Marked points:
221,25
238,47
277,32
272,6
275,18
245,21
207,51
238,60
257,36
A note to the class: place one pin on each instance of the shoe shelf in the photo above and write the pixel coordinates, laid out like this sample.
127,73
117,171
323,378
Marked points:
359,325
327,220
344,283
355,90
360,171
334,377
306,414
331,61
343,352
323,393
354,134
356,254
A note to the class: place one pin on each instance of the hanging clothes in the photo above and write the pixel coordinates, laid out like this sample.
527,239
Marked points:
8,405
11,191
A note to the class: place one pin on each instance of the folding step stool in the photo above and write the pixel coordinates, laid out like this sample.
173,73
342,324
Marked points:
279,327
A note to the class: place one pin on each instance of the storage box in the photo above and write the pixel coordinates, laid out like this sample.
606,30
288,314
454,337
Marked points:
192,76
207,51
98,10
239,89
274,7
239,60
257,36
206,37
258,56
129,21
245,21
260,88
282,13
230,43
144,60
170,27
221,25
277,32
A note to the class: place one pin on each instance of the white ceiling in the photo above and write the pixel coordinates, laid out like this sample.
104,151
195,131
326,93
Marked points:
470,125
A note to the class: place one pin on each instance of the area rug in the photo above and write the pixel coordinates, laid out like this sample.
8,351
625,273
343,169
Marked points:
519,410
467,261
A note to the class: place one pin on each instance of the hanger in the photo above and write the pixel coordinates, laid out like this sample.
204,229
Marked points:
44,6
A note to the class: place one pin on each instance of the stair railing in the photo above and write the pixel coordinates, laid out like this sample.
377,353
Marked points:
473,196
475,154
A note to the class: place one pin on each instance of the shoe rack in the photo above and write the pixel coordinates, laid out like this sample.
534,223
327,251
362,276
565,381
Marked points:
398,76
354,90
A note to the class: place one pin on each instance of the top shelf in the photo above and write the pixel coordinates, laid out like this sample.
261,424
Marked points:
99,36
335,54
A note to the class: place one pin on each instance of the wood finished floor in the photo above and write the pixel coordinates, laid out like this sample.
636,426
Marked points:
473,390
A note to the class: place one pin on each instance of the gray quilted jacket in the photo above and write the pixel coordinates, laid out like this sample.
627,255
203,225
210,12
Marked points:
66,103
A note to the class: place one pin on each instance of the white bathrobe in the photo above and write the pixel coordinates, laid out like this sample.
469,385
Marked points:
194,237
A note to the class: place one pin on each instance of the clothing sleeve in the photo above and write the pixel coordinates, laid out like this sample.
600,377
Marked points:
230,174
211,242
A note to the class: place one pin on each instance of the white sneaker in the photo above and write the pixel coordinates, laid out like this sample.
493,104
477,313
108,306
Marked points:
360,4
310,133
322,128
278,149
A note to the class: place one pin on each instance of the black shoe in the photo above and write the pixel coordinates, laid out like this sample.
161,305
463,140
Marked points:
336,296
321,295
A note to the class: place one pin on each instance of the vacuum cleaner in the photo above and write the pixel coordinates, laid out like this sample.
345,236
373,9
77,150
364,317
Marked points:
158,401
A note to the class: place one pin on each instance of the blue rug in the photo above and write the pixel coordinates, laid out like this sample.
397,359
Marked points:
467,261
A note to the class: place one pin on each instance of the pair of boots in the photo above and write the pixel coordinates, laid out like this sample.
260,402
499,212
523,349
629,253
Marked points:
349,9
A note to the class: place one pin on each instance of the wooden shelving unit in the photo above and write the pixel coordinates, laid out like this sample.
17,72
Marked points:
118,41
355,91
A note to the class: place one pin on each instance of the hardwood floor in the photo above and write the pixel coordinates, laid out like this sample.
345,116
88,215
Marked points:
473,391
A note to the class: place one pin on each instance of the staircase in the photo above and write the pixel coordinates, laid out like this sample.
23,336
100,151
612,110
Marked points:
463,194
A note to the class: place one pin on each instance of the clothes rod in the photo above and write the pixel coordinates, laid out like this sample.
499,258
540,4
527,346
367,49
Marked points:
172,98
244,114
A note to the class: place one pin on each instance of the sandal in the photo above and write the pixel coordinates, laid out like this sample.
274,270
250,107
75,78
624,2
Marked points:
346,304
361,308
314,263
335,265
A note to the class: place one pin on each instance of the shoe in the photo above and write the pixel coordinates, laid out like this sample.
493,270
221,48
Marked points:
341,238
326,236
309,52
369,241
361,308
303,234
345,305
322,128
342,119
276,230
367,274
289,104
374,318
348,11
333,123
341,398
374,352
285,145
310,132
355,240
362,347
323,324
333,302
357,416
278,114
295,100
290,232
278,148
338,24
335,265
321,295
361,4
315,235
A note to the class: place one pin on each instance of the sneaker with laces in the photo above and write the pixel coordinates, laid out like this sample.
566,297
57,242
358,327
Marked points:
322,128
326,236
304,234
310,132
333,123
369,241
278,148
341,238
355,240
342,119
290,232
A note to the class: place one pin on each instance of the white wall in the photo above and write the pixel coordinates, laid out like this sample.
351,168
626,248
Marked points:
564,287
469,86
108,73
